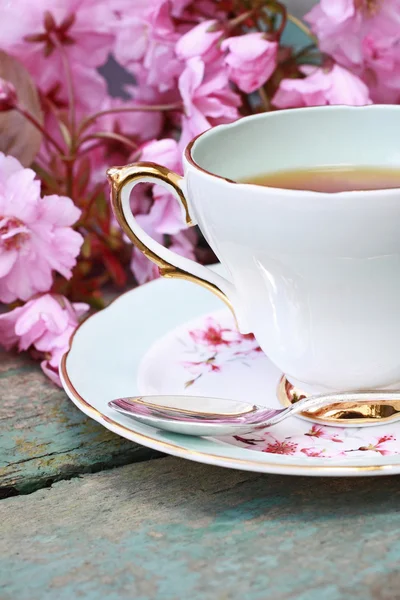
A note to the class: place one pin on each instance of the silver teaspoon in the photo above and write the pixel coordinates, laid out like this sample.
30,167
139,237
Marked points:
198,416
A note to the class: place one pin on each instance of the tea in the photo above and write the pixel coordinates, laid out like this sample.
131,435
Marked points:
331,179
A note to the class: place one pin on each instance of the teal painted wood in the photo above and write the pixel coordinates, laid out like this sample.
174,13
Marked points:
174,530
44,437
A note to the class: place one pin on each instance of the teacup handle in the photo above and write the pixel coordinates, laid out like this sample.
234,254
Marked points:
170,264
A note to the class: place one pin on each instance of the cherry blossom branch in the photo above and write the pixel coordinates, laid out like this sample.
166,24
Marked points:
302,26
233,23
70,89
264,99
126,109
22,111
106,135
284,16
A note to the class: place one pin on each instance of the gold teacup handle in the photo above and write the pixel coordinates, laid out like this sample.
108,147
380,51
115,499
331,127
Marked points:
170,264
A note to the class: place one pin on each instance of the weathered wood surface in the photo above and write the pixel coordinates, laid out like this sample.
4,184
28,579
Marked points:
174,530
44,437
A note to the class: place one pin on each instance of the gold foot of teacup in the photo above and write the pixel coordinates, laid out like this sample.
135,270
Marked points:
350,414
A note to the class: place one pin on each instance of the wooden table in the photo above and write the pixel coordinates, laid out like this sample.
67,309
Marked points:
85,514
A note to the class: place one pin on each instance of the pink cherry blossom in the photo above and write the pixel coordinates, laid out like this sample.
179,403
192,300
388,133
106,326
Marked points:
47,32
200,41
320,87
165,215
183,243
149,37
45,323
342,25
382,67
207,98
164,152
143,269
36,237
251,59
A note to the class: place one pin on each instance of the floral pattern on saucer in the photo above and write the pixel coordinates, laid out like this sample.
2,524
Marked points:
214,345
209,357
323,442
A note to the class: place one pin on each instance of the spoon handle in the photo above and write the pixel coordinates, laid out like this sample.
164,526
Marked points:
315,402
321,400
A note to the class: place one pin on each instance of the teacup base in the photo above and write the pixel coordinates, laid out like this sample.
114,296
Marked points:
342,413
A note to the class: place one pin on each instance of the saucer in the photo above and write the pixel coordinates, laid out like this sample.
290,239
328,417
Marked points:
129,344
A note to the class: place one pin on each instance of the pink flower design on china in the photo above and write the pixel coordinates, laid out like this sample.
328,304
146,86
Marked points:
313,452
281,447
45,324
322,453
251,60
209,363
380,445
214,335
317,431
36,237
249,351
200,368
322,86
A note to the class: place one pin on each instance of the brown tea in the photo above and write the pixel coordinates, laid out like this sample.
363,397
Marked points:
331,179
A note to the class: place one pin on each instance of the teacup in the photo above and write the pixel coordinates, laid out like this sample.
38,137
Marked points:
315,276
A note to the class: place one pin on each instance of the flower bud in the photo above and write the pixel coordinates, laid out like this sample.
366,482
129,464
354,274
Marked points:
8,95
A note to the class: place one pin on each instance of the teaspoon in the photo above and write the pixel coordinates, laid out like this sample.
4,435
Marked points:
200,416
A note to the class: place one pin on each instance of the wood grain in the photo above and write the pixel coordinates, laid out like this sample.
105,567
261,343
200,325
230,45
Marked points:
174,530
44,437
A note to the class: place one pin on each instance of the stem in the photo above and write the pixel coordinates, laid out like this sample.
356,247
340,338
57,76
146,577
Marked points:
47,177
139,108
240,19
300,54
70,90
264,99
40,128
69,165
135,156
88,207
304,51
69,178
105,135
84,151
284,16
303,27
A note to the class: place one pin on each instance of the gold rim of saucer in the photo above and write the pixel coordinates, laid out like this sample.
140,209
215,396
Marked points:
340,413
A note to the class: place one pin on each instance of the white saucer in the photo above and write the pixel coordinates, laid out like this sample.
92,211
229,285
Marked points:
120,347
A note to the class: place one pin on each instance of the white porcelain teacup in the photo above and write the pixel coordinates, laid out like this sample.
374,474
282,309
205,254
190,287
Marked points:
315,276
